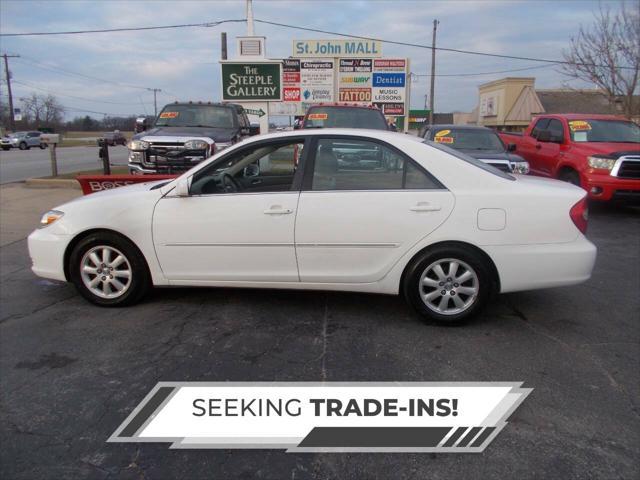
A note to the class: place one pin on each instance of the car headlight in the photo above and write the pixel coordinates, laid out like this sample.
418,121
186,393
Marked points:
50,217
138,145
603,163
135,157
196,145
520,167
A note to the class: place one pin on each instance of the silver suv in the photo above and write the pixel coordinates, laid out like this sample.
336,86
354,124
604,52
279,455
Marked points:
22,140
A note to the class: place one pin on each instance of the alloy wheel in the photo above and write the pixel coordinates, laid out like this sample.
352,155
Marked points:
449,286
106,271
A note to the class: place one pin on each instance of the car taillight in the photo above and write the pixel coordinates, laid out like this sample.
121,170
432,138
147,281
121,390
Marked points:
579,214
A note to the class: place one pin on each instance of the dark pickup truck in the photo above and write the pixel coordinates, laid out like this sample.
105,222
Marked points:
600,153
479,142
184,134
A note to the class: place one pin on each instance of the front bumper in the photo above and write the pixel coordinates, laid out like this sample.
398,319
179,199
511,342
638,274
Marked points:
606,187
46,250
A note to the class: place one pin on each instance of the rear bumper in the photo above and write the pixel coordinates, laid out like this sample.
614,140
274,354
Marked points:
47,253
528,267
606,187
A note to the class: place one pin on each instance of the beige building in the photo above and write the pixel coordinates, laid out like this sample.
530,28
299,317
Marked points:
510,103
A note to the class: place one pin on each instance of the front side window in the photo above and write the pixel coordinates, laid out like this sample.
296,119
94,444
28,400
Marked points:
353,164
264,167
555,130
540,125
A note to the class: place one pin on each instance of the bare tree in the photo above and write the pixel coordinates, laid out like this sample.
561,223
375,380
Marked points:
608,55
42,110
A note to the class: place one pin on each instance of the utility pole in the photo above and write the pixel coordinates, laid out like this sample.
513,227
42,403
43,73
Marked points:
155,102
433,71
223,45
8,75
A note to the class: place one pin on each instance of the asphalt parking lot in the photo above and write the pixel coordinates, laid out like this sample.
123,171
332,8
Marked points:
16,165
72,372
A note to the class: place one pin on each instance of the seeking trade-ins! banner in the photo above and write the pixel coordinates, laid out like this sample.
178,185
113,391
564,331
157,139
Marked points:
329,416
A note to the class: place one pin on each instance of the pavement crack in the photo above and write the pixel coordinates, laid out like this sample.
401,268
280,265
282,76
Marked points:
37,310
323,356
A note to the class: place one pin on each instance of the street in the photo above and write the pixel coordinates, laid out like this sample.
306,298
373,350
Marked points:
17,165
72,372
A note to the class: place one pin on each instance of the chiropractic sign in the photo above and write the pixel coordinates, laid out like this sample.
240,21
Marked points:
328,416
251,81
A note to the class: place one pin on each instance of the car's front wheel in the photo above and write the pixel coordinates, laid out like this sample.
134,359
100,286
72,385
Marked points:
23,146
109,270
448,284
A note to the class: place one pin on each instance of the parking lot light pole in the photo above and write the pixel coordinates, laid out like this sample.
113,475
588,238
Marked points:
155,102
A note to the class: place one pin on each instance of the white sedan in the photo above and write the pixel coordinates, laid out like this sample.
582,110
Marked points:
333,209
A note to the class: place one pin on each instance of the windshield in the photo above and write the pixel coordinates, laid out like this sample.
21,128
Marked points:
466,139
611,131
196,116
344,117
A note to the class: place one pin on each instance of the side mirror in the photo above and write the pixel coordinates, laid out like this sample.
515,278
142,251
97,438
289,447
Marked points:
182,187
245,131
254,129
252,170
511,147
141,124
544,136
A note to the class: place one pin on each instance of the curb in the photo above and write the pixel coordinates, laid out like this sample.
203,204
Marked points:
52,183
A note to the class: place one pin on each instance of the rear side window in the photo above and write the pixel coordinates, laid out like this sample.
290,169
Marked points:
344,117
469,159
354,164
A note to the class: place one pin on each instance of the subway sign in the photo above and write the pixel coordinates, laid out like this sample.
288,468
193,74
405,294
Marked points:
251,81
337,48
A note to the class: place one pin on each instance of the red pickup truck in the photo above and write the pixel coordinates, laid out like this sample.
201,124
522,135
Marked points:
600,153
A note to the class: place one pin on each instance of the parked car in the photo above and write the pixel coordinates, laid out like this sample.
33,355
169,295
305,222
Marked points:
22,140
344,116
479,142
600,153
114,138
442,228
185,134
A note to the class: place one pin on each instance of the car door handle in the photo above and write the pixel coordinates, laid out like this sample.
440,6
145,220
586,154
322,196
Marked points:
256,182
277,211
425,207
538,146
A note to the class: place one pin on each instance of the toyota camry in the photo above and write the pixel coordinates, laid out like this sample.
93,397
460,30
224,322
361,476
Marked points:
328,209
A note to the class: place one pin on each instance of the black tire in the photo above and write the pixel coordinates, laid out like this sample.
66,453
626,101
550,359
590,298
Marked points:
23,146
570,176
43,146
6,148
414,291
140,281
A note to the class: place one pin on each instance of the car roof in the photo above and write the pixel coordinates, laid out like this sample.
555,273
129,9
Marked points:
385,135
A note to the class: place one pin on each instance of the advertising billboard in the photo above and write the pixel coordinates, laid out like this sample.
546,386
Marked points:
316,80
337,48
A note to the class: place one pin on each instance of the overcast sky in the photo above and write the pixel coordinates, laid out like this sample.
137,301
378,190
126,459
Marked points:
183,62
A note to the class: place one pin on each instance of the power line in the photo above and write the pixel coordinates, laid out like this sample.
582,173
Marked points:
419,45
130,29
482,73
30,85
59,70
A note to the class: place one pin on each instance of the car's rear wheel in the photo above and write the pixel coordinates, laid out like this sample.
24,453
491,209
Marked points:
23,146
6,148
109,270
449,284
